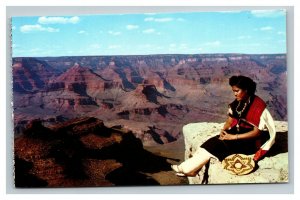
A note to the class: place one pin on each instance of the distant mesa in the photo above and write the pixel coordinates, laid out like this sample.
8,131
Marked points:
150,92
79,79
163,90
30,74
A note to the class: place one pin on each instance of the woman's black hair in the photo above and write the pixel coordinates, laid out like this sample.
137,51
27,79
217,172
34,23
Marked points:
244,83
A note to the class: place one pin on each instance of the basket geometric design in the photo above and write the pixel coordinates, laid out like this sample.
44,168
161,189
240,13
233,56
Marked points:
238,164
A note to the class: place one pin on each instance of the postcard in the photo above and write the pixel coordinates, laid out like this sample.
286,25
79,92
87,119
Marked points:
148,99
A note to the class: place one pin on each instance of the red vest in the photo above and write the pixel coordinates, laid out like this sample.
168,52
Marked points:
253,114
256,109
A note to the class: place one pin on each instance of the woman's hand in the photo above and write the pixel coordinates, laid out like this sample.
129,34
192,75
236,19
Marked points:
248,135
226,136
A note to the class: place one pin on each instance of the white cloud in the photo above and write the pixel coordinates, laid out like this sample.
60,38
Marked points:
150,19
149,31
266,28
114,46
58,20
214,43
180,19
95,46
183,46
159,47
115,33
34,50
268,13
131,27
281,33
37,27
150,14
179,46
82,32
163,19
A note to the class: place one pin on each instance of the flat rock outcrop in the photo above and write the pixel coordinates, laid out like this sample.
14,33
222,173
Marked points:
273,168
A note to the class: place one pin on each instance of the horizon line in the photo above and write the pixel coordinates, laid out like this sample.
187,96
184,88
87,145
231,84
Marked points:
166,54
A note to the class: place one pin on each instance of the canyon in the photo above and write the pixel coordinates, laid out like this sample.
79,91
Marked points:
155,92
149,96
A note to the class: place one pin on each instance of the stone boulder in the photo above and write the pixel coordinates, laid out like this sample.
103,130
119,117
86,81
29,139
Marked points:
273,168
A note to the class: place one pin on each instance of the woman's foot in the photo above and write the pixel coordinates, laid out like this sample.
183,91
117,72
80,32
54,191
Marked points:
176,168
179,172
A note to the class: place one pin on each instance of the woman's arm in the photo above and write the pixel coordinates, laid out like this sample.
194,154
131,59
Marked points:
248,135
228,123
227,126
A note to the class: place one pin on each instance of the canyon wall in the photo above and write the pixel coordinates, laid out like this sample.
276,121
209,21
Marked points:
159,93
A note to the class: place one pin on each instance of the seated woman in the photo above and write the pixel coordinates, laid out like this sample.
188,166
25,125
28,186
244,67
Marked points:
249,129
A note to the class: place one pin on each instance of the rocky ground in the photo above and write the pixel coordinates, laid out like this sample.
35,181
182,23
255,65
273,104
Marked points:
271,169
84,152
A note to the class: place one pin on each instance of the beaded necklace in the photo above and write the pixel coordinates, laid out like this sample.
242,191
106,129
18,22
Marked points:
240,112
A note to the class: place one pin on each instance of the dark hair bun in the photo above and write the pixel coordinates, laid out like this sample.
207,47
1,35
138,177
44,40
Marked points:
243,82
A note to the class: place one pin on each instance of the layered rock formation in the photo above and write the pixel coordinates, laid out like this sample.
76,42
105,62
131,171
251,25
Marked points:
274,168
30,74
82,152
162,91
141,101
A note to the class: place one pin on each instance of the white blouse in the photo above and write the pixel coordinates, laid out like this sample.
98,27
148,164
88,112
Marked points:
266,123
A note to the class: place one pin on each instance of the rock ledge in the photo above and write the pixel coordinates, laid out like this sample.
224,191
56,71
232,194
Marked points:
271,169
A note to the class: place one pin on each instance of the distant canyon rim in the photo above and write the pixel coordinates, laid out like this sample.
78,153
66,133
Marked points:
151,95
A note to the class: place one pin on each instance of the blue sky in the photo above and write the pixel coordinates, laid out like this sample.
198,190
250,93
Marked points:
245,31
